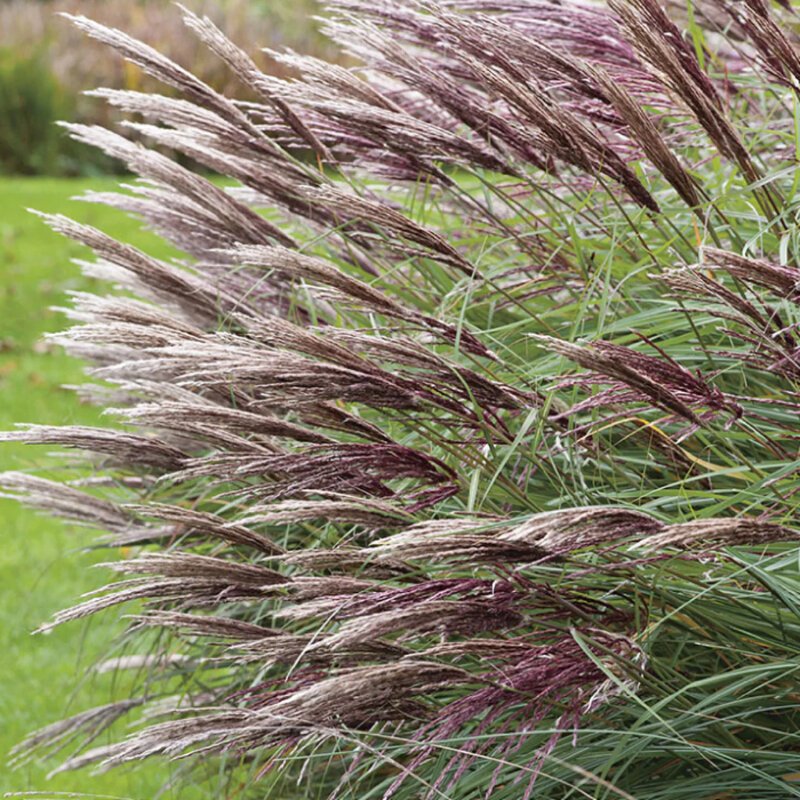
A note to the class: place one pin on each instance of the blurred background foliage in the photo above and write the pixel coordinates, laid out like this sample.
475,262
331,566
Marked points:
45,65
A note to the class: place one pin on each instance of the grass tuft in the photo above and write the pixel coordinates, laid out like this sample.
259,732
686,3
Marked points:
448,445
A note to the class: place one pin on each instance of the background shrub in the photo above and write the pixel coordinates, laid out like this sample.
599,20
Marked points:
31,100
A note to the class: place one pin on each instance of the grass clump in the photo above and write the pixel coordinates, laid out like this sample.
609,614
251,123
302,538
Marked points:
461,463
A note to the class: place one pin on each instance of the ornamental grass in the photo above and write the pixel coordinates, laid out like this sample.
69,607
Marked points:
456,453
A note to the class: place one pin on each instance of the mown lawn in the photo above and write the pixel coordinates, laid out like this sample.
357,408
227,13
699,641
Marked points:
45,566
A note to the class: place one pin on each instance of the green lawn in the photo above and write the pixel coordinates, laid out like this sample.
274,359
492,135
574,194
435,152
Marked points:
44,565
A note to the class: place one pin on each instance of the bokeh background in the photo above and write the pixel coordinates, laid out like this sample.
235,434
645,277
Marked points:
45,65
